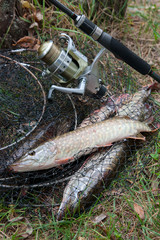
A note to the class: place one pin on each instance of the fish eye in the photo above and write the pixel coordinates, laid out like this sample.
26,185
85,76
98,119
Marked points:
32,153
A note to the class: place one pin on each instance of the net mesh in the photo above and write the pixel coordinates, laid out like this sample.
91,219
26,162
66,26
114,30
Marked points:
28,120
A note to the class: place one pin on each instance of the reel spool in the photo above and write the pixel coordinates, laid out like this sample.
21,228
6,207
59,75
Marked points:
71,65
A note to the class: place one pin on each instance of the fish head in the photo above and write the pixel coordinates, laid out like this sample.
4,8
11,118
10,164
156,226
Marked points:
74,196
36,159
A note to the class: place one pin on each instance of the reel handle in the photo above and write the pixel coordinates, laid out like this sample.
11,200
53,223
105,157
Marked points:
116,47
122,52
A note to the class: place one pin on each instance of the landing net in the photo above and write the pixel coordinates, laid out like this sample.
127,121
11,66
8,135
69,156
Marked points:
27,120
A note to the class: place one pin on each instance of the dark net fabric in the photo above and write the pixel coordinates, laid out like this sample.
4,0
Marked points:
26,121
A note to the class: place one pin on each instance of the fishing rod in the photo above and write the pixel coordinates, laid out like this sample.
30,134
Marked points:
113,45
69,67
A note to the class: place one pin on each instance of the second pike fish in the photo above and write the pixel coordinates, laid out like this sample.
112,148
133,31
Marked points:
89,179
67,147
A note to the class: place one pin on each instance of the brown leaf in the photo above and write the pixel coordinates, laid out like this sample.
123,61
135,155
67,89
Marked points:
139,210
28,231
38,16
27,42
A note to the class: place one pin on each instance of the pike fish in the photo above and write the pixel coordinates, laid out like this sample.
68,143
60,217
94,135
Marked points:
90,178
67,147
45,133
101,166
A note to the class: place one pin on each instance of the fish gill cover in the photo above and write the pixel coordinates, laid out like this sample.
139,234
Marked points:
28,120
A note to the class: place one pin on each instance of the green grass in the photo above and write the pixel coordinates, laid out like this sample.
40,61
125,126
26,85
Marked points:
149,14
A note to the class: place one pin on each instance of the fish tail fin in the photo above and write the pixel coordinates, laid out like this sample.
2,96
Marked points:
149,120
153,86
157,128
60,214
139,136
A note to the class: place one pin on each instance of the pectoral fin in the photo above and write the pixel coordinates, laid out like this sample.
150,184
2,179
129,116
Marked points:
64,161
139,136
104,145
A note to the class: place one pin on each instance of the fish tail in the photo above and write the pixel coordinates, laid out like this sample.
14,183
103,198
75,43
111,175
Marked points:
157,128
153,86
149,120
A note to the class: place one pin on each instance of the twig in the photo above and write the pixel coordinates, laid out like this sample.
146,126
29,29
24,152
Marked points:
22,50
35,185
28,65
4,234
151,190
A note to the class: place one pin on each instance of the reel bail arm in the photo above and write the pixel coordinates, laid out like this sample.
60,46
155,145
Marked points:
79,90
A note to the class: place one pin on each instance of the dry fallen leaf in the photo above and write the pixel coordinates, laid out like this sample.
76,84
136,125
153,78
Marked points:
28,230
35,24
99,218
16,219
38,16
139,210
28,42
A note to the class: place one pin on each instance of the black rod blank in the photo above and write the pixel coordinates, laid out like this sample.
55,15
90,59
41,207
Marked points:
64,9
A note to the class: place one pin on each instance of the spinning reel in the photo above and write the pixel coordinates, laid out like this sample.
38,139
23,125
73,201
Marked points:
69,66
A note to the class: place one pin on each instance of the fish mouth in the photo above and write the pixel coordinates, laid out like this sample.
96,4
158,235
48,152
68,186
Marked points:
29,165
22,166
68,207
66,210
